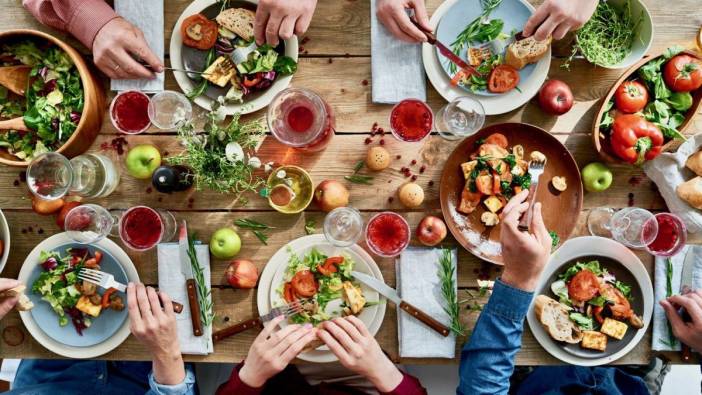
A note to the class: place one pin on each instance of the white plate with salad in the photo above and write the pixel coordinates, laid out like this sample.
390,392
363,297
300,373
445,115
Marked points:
204,39
528,86
321,273
59,333
594,302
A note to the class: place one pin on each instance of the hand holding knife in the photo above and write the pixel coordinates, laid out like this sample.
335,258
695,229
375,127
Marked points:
190,283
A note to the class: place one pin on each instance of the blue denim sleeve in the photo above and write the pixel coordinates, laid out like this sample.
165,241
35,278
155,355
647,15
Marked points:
187,387
487,360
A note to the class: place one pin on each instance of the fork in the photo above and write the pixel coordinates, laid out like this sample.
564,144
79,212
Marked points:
107,281
286,310
536,169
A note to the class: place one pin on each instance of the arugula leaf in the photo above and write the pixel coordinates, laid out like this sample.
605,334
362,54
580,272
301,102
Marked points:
597,301
624,288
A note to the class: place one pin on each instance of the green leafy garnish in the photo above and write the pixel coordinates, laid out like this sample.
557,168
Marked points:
583,321
257,228
479,30
555,240
447,270
207,313
310,227
593,266
359,179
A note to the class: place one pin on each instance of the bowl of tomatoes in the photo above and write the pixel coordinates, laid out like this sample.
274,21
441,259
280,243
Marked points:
649,108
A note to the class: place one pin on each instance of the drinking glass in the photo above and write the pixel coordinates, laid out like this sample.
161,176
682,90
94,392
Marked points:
300,118
51,176
387,234
89,223
141,227
631,226
411,120
672,235
169,109
129,112
460,118
343,226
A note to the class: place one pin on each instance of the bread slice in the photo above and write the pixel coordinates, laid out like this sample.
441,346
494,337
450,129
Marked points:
521,53
23,304
691,192
694,163
239,21
553,315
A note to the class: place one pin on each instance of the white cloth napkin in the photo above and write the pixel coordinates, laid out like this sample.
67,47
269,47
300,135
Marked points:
172,281
660,322
396,66
147,15
418,284
668,171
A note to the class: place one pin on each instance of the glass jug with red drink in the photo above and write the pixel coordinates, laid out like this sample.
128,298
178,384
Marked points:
300,118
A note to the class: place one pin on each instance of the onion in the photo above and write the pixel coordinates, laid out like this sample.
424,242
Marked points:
234,152
49,264
75,117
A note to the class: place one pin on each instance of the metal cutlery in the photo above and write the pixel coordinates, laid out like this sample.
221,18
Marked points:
286,310
536,169
190,284
148,66
446,52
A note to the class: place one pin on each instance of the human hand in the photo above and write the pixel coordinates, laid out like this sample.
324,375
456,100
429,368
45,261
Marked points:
155,328
7,304
271,352
393,15
689,333
281,18
557,17
524,254
113,48
357,350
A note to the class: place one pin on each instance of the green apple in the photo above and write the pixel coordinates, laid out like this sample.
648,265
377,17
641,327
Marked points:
225,243
142,161
596,177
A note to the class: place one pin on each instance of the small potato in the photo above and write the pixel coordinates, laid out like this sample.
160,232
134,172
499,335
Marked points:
559,183
411,195
378,158
537,156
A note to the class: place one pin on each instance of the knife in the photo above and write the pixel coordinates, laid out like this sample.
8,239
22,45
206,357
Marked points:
685,286
447,53
190,284
394,297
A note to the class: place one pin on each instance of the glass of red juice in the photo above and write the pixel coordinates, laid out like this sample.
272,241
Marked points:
141,227
411,120
387,234
129,112
671,237
300,118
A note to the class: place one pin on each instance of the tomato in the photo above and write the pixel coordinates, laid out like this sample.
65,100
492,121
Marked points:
330,265
498,139
288,293
597,313
583,286
631,97
496,187
199,32
98,256
304,284
105,302
503,78
484,184
683,73
255,79
458,77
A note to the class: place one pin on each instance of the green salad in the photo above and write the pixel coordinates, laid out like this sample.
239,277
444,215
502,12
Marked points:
53,102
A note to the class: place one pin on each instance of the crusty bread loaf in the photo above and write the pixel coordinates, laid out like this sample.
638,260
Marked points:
24,303
554,318
694,163
521,53
238,20
691,192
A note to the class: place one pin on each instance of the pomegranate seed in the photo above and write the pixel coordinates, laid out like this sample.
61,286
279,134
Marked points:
364,82
368,140
414,162
431,183
382,142
330,61
398,157
305,40
301,48
421,169
414,178
390,199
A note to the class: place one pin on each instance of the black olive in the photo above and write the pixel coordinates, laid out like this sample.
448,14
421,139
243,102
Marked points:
168,179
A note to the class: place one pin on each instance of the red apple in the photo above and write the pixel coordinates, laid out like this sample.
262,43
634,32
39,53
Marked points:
555,97
61,217
46,207
331,194
431,230
241,273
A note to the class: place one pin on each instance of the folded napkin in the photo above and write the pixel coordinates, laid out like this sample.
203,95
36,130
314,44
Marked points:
418,284
668,171
148,16
172,281
396,66
660,322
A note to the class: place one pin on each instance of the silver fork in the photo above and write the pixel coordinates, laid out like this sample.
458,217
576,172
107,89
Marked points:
287,310
97,277
536,169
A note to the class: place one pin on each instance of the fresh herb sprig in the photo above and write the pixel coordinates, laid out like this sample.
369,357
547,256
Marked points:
478,30
310,227
672,341
207,314
359,178
257,228
447,270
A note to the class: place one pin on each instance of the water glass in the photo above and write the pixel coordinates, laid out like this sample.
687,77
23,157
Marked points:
460,118
631,226
169,109
52,176
343,226
89,223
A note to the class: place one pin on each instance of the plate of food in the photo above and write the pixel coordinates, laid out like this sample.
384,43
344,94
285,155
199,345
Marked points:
4,240
215,40
485,170
70,317
593,304
317,274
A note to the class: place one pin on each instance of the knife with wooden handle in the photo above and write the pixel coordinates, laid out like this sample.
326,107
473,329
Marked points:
190,284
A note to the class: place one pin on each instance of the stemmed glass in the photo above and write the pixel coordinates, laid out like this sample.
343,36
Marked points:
460,118
89,223
632,226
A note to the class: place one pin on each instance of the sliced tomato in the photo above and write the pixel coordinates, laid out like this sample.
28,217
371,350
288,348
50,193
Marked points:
484,184
498,139
330,265
251,80
458,77
304,284
469,201
496,187
583,286
631,97
597,313
503,78
199,32
289,293
98,257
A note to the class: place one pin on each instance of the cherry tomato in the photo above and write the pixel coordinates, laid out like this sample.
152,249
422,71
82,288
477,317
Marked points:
204,30
498,139
583,286
631,97
289,293
253,80
503,78
304,284
330,265
683,73
458,77
105,302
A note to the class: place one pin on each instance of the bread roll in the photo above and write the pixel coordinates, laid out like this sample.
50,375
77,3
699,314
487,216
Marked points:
691,192
521,53
554,318
24,304
694,163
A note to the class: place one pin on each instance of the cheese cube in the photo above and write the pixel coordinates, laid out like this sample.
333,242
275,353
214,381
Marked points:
614,328
493,204
218,74
467,168
594,340
87,307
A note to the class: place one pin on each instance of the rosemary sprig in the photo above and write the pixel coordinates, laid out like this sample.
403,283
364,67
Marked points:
359,166
359,179
475,29
207,313
257,228
310,227
447,270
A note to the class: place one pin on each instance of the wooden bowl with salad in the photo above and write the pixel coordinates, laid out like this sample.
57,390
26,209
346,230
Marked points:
65,98
649,108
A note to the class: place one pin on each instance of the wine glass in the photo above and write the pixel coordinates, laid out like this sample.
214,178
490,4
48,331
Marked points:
141,227
343,226
632,226
460,118
52,176
169,109
89,223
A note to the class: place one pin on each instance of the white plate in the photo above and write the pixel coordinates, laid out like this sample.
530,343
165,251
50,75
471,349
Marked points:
589,246
272,277
186,84
51,344
5,236
497,104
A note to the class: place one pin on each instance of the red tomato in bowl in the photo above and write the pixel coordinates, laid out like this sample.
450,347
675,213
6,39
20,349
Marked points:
583,286
683,73
498,139
304,284
631,97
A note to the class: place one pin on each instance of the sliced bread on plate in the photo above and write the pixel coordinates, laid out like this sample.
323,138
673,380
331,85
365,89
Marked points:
239,21
521,53
554,318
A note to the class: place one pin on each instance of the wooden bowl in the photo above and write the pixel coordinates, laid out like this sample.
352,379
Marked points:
601,142
93,109
560,209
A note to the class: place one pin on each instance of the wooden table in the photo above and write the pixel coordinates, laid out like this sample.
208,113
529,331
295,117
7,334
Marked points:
335,62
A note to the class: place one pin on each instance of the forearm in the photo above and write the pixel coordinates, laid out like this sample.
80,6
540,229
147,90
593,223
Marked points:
409,385
169,369
487,361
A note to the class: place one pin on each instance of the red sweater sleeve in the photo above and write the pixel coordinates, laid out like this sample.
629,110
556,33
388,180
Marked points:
236,386
408,386
82,18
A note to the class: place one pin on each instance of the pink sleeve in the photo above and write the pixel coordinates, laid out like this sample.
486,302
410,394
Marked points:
408,386
82,18
236,386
